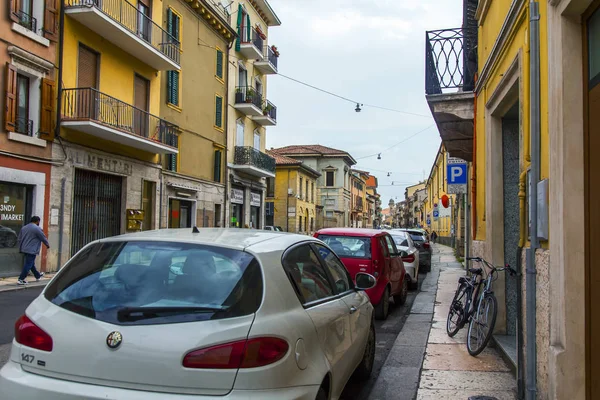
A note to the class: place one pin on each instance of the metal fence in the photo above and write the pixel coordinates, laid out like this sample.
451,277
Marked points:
26,20
246,155
271,56
138,23
271,110
252,37
449,56
24,126
90,104
247,94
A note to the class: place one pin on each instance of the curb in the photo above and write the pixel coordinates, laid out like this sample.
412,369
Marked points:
13,287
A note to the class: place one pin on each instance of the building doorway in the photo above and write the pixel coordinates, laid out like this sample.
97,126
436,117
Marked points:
96,207
181,213
15,212
592,193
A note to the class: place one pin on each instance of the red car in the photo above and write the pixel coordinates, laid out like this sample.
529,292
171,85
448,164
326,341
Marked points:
374,252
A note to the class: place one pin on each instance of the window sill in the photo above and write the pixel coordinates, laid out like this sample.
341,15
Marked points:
174,107
30,34
19,137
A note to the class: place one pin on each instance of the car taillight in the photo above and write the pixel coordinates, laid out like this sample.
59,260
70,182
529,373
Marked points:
252,353
29,334
425,245
410,258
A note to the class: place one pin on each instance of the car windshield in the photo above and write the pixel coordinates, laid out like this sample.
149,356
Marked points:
400,238
134,283
349,246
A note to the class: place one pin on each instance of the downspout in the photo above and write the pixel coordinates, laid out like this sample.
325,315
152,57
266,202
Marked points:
61,227
287,204
474,179
518,267
226,173
534,54
59,78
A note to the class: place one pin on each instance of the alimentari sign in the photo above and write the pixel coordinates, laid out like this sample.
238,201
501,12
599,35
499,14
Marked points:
7,213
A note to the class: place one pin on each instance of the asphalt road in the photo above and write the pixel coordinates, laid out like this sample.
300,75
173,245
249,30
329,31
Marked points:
13,305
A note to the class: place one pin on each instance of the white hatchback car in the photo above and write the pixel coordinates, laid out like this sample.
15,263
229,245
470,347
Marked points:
410,255
176,314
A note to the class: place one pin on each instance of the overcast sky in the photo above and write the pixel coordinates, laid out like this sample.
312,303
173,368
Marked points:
369,51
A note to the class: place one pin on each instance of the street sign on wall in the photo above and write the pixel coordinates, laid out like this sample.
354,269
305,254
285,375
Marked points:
457,174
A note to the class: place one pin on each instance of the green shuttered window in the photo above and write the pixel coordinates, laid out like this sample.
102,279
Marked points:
219,112
219,64
173,87
217,166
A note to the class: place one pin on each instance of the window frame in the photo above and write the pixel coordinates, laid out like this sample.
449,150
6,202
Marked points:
220,78
336,296
332,178
217,127
177,107
390,242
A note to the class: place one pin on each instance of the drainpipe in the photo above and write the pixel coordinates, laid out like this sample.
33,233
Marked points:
59,85
534,28
62,222
225,172
287,205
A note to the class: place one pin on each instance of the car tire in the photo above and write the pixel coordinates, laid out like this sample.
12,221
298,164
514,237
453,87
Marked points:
321,394
364,369
400,299
383,308
414,283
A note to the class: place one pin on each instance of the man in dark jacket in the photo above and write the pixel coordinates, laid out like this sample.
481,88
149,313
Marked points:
30,239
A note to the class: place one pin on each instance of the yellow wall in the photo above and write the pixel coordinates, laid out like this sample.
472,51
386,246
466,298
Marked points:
195,116
117,71
519,42
289,177
436,187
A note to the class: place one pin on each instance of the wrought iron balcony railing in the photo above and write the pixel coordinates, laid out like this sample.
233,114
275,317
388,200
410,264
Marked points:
450,60
24,126
90,104
136,22
271,56
246,155
253,37
247,94
270,110
26,20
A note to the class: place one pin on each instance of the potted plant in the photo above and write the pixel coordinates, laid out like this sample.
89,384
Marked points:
275,51
260,33
267,109
250,94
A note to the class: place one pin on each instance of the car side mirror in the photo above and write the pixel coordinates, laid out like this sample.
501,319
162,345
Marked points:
365,281
403,254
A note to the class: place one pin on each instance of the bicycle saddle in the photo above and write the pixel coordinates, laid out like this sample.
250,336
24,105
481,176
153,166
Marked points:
476,271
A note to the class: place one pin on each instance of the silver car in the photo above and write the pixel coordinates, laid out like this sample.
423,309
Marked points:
410,255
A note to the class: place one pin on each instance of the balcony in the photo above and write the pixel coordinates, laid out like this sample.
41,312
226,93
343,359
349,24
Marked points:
269,115
451,65
121,23
248,101
251,44
268,65
253,162
90,111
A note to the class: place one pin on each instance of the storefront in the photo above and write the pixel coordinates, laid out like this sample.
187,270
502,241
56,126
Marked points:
15,212
255,202
181,213
237,207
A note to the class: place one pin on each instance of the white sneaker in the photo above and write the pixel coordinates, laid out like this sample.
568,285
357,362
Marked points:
41,276
21,282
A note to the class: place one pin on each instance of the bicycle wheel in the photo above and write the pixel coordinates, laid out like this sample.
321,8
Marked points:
456,313
482,324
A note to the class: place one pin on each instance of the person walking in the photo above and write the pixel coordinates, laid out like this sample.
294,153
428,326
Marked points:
434,236
30,239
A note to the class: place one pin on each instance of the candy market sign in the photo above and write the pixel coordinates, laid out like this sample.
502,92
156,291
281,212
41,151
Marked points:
7,213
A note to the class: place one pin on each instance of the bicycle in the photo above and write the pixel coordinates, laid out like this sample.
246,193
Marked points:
476,306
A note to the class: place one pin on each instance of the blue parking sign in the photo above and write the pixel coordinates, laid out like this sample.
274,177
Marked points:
457,174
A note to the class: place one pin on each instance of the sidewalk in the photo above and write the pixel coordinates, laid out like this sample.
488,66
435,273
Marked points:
10,284
425,363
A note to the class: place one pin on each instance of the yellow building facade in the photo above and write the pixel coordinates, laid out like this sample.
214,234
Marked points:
294,196
441,218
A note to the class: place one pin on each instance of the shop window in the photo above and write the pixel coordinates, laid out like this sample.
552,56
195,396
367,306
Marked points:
15,212
148,201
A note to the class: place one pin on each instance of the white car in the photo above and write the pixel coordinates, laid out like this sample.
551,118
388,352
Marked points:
174,315
410,257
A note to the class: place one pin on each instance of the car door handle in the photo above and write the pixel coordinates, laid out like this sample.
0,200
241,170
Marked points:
353,310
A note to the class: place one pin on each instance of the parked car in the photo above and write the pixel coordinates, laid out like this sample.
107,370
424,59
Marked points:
421,241
410,256
372,251
172,314
273,228
8,237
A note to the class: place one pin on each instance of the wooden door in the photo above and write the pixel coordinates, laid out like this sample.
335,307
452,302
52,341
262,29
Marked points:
141,103
86,96
592,192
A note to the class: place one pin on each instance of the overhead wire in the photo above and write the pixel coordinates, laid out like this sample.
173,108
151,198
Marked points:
397,144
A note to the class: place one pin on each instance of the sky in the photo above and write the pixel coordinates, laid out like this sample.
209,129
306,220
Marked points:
368,51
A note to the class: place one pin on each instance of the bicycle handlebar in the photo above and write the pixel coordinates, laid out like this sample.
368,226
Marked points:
507,267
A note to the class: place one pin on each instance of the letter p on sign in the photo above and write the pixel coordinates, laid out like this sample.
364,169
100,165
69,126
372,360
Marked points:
457,174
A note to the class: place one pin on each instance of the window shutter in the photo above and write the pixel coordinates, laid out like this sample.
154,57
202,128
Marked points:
219,112
15,6
173,87
172,162
248,28
47,115
176,26
238,41
169,21
220,64
10,112
51,20
217,167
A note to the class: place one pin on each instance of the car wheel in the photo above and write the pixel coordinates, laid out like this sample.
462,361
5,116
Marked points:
364,369
400,299
321,394
414,283
383,308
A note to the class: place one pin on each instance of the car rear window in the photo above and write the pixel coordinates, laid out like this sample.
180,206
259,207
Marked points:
348,246
400,238
141,283
417,236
